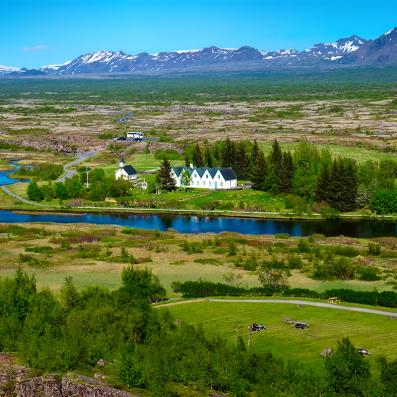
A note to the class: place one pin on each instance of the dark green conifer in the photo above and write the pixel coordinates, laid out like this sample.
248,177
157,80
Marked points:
228,154
209,162
259,172
323,187
166,182
241,162
198,157
284,182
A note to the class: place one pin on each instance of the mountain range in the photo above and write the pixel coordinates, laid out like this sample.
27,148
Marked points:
352,51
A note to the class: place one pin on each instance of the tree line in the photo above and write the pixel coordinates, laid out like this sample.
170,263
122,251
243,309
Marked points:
100,186
308,173
147,349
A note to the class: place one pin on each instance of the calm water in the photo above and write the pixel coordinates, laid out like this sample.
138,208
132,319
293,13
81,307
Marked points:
4,175
195,224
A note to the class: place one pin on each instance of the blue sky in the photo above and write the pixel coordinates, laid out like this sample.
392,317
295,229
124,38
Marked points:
38,32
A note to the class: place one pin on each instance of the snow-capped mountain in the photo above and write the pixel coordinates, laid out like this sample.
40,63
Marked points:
120,62
336,50
206,58
7,69
353,51
381,51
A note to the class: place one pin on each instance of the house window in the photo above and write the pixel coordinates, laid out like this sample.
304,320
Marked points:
221,183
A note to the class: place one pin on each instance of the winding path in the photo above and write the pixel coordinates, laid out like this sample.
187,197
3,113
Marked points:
289,301
68,173
5,189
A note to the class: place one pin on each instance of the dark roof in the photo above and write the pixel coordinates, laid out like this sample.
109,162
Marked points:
129,169
227,173
178,170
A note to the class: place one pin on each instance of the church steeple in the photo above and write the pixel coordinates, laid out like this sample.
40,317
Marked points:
122,162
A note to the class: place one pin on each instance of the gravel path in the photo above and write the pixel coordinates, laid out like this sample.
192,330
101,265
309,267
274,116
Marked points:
5,189
292,302
68,173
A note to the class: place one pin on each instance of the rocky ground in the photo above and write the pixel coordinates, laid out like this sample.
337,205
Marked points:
351,122
19,381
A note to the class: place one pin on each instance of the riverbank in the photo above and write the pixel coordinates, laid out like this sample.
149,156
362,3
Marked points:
32,208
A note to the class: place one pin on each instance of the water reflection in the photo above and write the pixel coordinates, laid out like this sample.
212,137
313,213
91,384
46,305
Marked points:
195,224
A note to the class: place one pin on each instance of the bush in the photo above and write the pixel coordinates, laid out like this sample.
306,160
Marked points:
202,288
368,273
335,268
384,201
374,249
45,172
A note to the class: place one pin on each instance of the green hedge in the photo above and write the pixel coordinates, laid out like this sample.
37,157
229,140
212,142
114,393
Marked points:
202,288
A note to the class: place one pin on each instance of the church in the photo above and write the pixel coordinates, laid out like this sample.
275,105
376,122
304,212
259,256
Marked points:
126,172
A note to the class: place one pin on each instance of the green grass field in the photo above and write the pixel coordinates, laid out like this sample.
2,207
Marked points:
361,155
327,326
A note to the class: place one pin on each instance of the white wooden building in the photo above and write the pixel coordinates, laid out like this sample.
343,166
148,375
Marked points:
126,172
204,177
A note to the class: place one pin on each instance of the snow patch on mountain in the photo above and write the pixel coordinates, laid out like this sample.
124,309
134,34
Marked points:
7,69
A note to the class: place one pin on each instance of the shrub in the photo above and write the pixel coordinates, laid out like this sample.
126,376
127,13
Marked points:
368,273
374,249
335,268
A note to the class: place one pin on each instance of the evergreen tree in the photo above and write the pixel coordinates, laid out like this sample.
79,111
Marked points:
275,164
217,154
323,187
284,182
253,157
197,156
241,162
270,179
228,154
165,180
34,192
276,157
259,172
343,185
209,162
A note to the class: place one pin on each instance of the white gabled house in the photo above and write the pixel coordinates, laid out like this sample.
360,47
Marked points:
204,177
126,172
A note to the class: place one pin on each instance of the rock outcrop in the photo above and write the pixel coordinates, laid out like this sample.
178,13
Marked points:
17,381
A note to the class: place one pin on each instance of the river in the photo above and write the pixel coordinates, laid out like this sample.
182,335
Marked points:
205,224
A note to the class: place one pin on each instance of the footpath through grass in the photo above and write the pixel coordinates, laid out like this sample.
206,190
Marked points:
327,326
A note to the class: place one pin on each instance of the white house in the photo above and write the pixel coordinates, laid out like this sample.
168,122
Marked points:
126,172
204,177
134,136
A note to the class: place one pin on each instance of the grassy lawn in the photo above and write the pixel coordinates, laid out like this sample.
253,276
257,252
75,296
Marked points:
140,161
361,155
228,320
299,280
